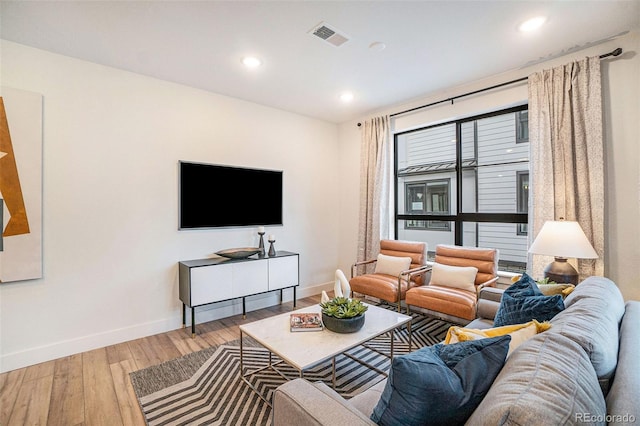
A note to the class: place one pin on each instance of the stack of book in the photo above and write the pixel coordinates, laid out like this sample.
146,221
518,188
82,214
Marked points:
306,322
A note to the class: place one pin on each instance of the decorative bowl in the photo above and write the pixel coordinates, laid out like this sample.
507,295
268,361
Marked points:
238,253
343,325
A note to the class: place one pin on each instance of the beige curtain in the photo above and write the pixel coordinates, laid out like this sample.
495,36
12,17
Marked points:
375,178
567,165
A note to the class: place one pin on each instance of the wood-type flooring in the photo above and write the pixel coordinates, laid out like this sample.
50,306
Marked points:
93,388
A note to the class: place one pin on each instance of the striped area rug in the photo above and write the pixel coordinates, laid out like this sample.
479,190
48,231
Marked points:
204,388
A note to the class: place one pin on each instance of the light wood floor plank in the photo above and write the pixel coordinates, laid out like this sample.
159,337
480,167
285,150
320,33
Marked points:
129,408
39,371
118,353
139,355
100,401
163,346
9,387
32,403
67,394
184,343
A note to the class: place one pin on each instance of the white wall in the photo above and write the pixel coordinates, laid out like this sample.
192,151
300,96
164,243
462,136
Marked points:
621,95
111,145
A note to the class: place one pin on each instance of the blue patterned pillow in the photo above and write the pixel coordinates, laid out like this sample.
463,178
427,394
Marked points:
441,384
523,301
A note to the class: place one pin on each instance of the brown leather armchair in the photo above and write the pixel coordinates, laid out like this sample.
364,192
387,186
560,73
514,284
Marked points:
451,301
392,288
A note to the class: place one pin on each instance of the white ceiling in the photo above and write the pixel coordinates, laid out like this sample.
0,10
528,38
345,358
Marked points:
431,45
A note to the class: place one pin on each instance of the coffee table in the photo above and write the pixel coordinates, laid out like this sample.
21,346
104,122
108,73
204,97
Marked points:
304,350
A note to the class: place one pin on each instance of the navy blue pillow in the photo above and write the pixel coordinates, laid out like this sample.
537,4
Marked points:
523,301
525,286
440,384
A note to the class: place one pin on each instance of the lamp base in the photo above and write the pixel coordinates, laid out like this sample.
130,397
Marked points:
561,272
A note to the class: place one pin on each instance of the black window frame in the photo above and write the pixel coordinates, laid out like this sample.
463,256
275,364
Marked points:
459,218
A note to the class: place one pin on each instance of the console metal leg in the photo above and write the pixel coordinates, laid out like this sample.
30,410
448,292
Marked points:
193,322
244,308
294,297
184,316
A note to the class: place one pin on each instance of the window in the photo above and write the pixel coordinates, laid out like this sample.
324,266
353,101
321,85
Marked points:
523,199
427,197
522,126
466,182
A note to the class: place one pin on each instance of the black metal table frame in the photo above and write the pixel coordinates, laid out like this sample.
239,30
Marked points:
273,365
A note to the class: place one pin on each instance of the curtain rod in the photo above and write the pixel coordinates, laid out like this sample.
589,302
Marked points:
615,52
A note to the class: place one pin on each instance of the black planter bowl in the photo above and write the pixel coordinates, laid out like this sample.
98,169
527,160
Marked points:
343,325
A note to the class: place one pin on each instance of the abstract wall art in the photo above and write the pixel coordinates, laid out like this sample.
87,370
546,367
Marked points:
20,185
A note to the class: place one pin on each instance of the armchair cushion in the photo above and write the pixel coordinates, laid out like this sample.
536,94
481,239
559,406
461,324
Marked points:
462,277
451,301
456,301
381,286
392,265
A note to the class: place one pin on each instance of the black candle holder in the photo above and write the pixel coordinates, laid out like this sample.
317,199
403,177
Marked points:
272,250
261,245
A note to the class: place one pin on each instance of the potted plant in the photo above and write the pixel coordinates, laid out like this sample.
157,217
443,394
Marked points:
343,315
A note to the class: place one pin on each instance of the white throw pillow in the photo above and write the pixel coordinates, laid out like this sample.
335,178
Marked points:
462,277
392,265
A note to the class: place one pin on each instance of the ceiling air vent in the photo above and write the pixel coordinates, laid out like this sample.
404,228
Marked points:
329,34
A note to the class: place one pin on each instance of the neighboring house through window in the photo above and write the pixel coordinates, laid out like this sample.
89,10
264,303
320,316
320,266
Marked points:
523,199
522,126
428,197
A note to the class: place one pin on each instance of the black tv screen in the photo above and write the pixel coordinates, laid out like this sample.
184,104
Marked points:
214,196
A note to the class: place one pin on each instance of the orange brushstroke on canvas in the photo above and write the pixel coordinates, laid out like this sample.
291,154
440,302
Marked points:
10,182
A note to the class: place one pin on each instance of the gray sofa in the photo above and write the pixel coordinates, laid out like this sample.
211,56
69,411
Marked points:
584,370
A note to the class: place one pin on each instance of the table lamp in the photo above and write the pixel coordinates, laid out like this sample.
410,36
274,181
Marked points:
562,239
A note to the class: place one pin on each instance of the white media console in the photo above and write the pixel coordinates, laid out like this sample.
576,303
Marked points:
206,281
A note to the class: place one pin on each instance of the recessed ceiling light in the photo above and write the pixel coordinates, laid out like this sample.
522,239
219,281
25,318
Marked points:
532,24
346,97
251,62
378,46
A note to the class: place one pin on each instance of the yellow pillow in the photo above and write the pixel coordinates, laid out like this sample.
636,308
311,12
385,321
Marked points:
519,333
551,289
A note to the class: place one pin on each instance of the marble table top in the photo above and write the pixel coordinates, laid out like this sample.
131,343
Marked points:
303,350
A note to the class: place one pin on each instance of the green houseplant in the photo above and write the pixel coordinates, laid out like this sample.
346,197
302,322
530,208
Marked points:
343,315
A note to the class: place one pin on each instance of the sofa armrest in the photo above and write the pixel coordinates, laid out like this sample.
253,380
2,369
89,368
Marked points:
623,400
489,302
300,402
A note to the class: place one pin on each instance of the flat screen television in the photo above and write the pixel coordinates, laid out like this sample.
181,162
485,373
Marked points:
212,196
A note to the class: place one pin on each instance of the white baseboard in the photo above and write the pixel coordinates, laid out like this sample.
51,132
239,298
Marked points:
36,355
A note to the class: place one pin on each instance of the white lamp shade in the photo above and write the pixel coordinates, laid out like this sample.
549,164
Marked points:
563,239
